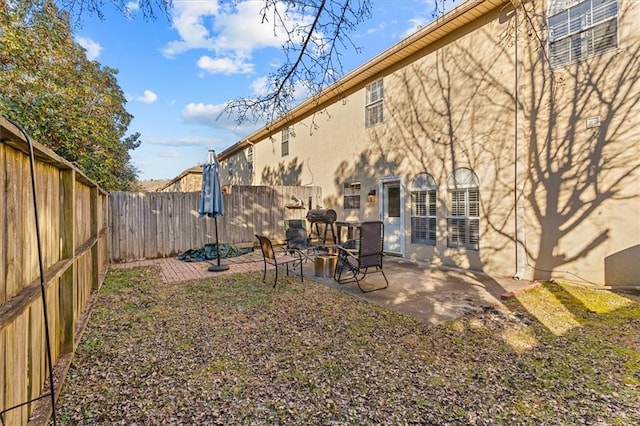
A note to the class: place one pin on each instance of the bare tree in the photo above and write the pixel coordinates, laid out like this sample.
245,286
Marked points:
149,8
313,51
313,46
316,35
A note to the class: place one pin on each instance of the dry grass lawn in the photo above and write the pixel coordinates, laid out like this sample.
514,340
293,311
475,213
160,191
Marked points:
231,350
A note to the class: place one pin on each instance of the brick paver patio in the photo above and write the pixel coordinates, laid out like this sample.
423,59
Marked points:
174,270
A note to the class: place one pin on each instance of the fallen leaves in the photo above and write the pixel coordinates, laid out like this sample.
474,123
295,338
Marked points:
231,350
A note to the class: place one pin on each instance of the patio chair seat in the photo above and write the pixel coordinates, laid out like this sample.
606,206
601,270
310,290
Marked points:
297,239
278,258
355,264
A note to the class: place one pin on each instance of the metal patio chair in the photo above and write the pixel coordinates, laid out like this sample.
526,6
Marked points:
297,239
278,258
354,264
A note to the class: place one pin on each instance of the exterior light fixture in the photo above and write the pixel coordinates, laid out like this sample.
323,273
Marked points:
371,196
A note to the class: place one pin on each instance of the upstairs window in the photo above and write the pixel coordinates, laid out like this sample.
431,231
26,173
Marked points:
463,220
230,166
423,210
284,150
581,29
373,105
351,195
250,157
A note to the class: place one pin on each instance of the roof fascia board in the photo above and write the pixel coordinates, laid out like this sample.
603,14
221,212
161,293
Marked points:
356,79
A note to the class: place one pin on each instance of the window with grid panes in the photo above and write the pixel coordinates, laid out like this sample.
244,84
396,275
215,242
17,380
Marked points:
250,157
351,195
581,29
423,210
285,142
373,105
463,219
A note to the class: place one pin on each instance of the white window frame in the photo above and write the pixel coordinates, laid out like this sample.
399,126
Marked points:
230,165
463,216
374,111
284,146
581,29
351,195
423,210
250,156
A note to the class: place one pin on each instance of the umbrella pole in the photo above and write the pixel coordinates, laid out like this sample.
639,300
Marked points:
218,267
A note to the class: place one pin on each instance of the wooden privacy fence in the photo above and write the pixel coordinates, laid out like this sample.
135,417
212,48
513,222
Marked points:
72,213
149,225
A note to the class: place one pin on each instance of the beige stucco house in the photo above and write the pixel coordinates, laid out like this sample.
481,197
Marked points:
189,180
503,137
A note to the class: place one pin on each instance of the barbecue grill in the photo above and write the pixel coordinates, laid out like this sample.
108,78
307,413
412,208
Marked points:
326,217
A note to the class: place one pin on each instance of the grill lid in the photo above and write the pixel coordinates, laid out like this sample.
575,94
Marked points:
322,215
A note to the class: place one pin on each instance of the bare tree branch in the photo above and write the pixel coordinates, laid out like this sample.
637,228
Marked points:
313,50
317,34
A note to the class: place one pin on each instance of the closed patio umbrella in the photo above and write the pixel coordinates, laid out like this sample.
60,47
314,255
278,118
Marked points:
211,203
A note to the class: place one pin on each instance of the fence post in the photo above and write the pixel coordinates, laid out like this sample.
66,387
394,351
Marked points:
95,232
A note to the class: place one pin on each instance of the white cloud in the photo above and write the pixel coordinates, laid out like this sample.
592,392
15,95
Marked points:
93,48
183,141
415,24
224,65
189,20
242,30
381,27
167,153
260,86
232,32
148,97
300,91
427,17
131,7
216,117
207,115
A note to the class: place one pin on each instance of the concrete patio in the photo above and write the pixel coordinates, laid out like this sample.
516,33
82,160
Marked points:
427,293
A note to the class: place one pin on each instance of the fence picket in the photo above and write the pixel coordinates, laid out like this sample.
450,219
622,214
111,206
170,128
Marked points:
64,215
164,224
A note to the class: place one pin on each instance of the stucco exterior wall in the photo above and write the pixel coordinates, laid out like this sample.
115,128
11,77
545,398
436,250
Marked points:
583,192
558,198
455,108
452,107
189,182
238,169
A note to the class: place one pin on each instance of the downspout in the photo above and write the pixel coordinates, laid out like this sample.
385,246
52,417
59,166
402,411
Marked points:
518,190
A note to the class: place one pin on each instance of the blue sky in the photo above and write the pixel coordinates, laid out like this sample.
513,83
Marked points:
178,72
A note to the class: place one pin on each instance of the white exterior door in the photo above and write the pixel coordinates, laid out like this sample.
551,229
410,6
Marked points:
392,215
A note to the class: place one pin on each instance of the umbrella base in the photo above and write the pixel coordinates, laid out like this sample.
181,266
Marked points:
218,268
